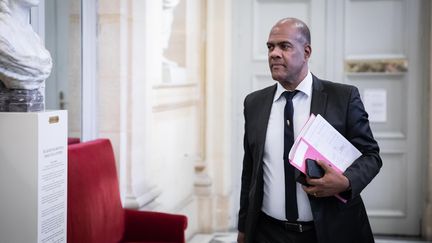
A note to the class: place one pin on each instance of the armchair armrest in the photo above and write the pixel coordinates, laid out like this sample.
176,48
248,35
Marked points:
154,226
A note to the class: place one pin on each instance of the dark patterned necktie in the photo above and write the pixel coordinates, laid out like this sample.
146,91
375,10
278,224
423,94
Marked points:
290,183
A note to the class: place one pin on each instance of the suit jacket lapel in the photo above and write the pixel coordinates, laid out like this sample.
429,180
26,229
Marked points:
319,97
267,102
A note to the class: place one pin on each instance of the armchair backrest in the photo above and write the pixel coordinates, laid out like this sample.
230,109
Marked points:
73,140
95,213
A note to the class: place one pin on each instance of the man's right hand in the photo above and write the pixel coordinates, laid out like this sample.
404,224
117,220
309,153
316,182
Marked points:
240,237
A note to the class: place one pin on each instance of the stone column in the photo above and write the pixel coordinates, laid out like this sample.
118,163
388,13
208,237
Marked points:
203,193
128,49
218,138
73,72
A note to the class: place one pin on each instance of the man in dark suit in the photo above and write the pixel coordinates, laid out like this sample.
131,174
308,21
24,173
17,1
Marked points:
273,207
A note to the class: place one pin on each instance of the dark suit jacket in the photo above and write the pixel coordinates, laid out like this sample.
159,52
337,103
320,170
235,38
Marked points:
341,106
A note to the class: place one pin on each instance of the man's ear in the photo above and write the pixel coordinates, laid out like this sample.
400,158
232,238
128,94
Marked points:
307,51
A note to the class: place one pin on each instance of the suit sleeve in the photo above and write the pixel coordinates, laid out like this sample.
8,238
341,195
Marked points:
245,178
365,168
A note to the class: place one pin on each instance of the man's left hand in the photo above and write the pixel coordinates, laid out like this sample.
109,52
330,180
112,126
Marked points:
332,183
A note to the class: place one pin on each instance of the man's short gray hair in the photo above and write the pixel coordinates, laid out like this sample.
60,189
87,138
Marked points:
301,27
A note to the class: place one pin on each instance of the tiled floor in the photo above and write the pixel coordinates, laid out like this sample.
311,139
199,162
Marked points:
231,238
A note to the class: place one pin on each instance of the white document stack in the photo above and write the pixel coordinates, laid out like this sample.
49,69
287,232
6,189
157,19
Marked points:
319,140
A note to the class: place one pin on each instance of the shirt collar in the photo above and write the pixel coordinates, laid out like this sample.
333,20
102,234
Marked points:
305,87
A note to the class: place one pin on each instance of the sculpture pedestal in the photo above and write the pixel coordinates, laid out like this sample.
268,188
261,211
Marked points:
33,176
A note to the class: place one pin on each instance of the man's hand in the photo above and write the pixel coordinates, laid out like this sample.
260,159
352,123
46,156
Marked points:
240,237
332,183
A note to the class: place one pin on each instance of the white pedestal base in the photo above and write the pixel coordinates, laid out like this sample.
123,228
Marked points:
33,176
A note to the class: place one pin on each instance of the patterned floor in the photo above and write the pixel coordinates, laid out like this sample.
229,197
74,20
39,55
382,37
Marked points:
232,237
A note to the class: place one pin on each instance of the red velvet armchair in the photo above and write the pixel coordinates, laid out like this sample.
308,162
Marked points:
72,140
95,213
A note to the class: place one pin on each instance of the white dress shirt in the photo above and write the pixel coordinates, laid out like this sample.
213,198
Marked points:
274,178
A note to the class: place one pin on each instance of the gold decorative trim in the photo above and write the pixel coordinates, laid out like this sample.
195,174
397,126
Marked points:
53,119
381,66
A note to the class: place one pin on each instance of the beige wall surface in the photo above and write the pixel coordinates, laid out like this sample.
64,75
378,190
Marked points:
154,109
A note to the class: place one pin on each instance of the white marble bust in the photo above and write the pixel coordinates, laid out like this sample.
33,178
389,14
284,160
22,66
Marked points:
24,61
